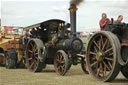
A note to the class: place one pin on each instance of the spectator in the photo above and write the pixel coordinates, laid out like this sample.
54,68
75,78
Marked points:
119,20
26,38
104,21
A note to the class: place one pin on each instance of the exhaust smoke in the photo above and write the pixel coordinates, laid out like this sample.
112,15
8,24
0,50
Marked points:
76,2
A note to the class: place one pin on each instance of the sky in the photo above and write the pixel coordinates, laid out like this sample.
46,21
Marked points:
0,8
27,12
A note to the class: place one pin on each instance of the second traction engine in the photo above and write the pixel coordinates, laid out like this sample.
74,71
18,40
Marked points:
54,42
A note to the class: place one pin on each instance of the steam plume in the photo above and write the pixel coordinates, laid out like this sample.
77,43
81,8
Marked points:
76,2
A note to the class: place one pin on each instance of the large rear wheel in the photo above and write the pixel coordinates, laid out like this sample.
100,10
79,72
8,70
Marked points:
35,55
102,56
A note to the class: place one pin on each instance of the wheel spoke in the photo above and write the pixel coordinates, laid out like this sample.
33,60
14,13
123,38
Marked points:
110,64
62,62
92,53
105,44
101,68
104,74
32,64
108,45
62,68
94,63
36,54
95,49
61,58
36,57
63,65
111,54
107,50
106,66
98,71
96,44
31,45
30,58
59,68
30,51
35,49
110,59
102,41
35,60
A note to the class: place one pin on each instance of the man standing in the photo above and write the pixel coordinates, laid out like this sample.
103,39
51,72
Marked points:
104,21
119,20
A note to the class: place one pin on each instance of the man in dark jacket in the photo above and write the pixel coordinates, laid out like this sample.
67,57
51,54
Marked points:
119,20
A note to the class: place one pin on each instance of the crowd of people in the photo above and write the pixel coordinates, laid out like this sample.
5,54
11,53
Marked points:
104,21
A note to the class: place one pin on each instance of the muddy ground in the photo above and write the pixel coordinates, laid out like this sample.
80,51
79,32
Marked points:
75,76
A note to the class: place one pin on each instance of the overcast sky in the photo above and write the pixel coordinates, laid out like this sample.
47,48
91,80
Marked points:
62,0
28,12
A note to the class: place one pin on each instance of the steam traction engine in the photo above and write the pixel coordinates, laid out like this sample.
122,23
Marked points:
51,42
107,52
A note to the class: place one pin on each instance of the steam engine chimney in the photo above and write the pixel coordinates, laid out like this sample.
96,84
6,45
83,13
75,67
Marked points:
73,10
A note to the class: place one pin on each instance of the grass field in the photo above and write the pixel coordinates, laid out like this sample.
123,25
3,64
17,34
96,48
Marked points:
75,76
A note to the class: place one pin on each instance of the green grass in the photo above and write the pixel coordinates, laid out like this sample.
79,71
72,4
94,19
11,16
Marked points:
75,76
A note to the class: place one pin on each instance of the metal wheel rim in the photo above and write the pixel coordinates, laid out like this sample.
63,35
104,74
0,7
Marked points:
104,66
60,63
32,56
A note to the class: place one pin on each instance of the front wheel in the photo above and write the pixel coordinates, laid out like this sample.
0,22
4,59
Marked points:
61,62
83,65
11,59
